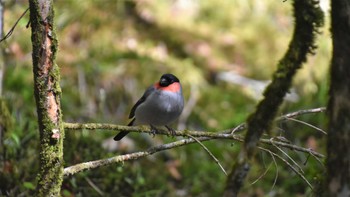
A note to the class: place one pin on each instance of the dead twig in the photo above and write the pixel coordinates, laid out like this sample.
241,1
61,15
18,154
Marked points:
262,175
290,158
289,165
276,176
208,151
94,186
307,124
14,26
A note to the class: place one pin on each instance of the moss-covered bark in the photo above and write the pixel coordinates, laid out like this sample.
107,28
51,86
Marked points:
308,18
338,158
47,95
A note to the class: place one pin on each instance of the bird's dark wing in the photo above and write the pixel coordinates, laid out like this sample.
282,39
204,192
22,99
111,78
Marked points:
141,100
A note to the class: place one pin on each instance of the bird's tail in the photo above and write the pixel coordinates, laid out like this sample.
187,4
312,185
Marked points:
122,134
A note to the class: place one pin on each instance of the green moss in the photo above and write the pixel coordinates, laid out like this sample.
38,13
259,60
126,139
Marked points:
51,149
308,18
6,120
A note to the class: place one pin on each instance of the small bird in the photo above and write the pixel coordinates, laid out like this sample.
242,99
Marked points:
160,105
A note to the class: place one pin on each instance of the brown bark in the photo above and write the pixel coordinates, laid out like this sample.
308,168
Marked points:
338,158
47,95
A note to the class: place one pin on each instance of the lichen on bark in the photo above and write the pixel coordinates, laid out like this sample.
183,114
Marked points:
47,95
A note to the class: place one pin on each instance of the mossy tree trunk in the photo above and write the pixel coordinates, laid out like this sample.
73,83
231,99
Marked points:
338,158
47,95
2,61
5,116
308,19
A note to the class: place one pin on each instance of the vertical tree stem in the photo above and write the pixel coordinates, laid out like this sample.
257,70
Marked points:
308,18
338,149
47,95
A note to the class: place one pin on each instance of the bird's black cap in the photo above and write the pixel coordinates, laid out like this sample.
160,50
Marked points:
168,79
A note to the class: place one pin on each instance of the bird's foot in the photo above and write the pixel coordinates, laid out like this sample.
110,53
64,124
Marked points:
171,130
154,130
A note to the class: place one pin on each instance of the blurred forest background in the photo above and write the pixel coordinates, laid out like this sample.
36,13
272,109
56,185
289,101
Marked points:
224,53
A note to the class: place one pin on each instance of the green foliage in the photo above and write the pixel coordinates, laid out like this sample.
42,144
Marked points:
107,57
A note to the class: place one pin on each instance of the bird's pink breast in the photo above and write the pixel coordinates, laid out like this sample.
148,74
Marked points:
174,87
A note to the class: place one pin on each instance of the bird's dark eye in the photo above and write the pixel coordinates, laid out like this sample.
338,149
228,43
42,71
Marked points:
164,82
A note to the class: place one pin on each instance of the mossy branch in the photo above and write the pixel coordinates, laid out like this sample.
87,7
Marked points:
308,19
200,136
132,156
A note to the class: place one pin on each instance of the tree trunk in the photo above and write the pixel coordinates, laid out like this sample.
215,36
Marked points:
2,61
47,95
308,19
338,159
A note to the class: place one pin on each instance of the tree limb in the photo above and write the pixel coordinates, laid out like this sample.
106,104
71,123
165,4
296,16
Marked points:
201,136
132,156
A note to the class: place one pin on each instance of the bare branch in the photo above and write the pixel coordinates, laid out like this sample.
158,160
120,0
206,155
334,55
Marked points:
218,135
285,117
92,184
289,165
307,124
132,156
295,163
302,112
318,160
14,26
276,176
196,136
262,175
208,151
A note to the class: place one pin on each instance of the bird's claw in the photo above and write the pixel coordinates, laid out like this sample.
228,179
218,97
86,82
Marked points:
171,130
154,130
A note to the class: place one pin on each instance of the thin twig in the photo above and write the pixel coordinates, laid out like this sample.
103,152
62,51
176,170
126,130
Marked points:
301,112
239,128
94,186
289,165
262,175
14,26
307,124
318,160
243,126
276,176
208,151
295,163
268,168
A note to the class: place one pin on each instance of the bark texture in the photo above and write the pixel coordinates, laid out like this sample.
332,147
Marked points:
47,95
338,159
308,18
